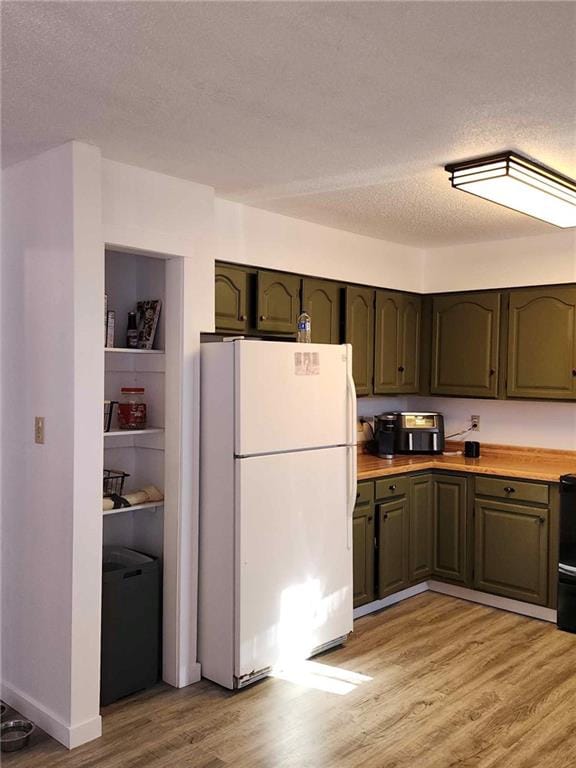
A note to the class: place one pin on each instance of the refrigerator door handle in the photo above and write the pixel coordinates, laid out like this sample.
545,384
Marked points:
351,396
352,449
352,482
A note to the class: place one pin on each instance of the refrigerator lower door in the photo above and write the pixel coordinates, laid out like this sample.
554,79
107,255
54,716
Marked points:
294,585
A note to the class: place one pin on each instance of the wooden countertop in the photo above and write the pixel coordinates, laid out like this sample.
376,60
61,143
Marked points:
508,461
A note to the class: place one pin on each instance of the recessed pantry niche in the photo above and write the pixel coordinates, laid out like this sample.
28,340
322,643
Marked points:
148,456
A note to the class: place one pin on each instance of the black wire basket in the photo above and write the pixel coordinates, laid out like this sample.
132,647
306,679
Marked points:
114,482
108,413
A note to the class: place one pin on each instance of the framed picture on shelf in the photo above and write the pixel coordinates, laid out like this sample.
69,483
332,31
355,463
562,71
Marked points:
148,313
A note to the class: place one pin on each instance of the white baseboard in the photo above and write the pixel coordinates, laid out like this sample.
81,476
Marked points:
453,590
69,735
494,601
191,674
377,605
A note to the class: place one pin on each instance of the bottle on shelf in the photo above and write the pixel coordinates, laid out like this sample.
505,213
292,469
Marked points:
132,408
132,331
304,328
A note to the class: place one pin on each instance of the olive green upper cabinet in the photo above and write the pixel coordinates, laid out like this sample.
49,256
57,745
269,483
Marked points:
321,299
465,344
231,299
450,534
278,302
397,343
511,550
360,333
542,343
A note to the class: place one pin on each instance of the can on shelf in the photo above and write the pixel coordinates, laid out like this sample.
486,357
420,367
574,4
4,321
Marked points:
132,408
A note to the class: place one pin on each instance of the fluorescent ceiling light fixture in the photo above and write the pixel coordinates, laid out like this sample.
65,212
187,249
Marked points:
516,182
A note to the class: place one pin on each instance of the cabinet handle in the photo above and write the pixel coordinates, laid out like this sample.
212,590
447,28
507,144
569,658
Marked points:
392,487
573,371
509,489
541,520
401,368
370,519
243,317
357,495
385,516
492,371
263,317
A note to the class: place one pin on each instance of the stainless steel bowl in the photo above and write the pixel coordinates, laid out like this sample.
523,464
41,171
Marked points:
14,734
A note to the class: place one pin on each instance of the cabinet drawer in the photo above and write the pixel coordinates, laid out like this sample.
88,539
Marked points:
364,493
391,487
514,490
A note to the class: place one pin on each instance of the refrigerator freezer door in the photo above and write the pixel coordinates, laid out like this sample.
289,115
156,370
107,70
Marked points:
292,397
294,586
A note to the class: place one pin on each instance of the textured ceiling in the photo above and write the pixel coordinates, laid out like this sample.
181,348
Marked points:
342,113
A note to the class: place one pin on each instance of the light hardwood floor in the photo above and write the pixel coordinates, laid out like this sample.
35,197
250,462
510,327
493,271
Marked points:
453,685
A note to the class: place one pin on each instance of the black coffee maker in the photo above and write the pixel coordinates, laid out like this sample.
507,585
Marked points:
384,435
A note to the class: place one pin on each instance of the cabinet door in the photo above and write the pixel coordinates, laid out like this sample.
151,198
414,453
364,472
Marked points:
321,299
363,554
542,343
278,302
511,557
409,368
360,333
465,344
231,288
388,331
421,517
397,343
393,527
450,558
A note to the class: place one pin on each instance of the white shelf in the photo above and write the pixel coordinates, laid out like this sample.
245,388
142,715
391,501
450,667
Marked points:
135,508
128,432
127,350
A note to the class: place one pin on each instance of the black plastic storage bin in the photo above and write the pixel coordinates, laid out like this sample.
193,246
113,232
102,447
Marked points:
131,611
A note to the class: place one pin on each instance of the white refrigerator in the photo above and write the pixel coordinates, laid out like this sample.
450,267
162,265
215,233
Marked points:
277,493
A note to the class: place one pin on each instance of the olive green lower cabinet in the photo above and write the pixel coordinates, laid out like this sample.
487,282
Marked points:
363,544
393,547
491,534
421,527
450,528
512,540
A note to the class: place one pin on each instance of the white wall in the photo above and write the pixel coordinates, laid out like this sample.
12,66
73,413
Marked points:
51,552
543,260
251,236
507,422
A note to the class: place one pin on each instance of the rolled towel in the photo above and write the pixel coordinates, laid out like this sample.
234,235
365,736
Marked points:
136,497
153,493
144,496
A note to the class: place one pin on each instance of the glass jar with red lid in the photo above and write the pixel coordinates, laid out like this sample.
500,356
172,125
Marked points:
132,408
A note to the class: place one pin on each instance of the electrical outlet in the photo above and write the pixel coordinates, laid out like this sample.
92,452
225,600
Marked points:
39,430
475,423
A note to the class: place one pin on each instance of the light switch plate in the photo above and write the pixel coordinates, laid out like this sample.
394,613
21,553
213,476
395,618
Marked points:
39,430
